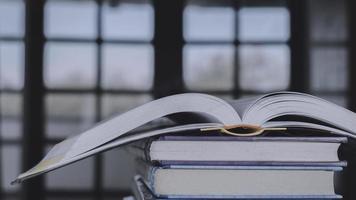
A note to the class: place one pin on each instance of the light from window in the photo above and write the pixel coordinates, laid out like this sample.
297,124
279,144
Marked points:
127,67
263,23
70,65
209,67
128,21
12,18
70,19
264,67
209,23
11,65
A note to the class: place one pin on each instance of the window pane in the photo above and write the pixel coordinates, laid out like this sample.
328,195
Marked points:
12,18
79,175
264,23
70,19
117,104
328,69
11,65
209,67
11,116
70,65
114,178
128,21
69,114
209,23
127,67
328,20
10,166
264,68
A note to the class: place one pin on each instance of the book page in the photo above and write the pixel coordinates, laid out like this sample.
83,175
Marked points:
282,104
214,108
56,157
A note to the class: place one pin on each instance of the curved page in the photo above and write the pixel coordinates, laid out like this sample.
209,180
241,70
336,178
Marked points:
69,149
299,104
55,158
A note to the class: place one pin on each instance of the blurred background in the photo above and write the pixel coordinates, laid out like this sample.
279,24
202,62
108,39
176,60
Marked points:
67,64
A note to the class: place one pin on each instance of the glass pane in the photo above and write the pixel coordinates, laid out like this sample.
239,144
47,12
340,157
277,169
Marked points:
70,65
128,21
69,114
328,20
209,67
117,104
10,166
12,18
328,69
127,67
70,19
11,116
264,23
11,65
264,68
209,23
79,175
118,179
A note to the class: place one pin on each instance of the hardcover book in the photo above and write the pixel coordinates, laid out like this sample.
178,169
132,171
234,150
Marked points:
227,150
242,182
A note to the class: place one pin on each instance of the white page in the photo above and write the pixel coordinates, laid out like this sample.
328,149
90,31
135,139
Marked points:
117,126
55,158
299,104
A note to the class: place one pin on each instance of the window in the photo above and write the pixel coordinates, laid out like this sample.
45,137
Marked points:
98,61
235,48
11,85
328,50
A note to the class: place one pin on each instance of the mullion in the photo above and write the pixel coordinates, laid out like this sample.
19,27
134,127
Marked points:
109,41
1,137
236,42
236,89
98,93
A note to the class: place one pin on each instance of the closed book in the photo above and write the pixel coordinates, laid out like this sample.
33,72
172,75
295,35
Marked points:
220,150
141,191
242,182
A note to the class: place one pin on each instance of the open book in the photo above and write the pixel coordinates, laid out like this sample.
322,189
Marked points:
239,117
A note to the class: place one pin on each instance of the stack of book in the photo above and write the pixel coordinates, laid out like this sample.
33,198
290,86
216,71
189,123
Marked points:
215,148
220,167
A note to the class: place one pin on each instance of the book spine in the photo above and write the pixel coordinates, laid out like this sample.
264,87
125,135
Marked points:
289,197
254,139
239,163
140,149
146,171
140,189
